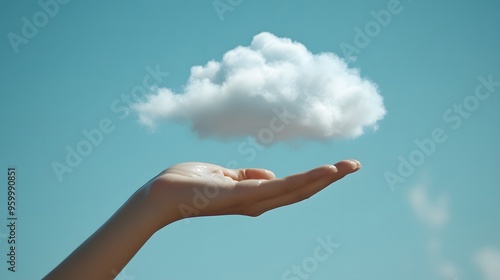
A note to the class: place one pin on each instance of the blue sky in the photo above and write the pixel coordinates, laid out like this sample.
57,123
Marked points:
437,220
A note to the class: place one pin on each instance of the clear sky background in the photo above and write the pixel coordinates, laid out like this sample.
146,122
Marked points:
437,220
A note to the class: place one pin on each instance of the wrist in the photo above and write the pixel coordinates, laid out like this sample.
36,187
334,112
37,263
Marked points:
158,205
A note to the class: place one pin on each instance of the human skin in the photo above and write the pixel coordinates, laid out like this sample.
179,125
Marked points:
248,192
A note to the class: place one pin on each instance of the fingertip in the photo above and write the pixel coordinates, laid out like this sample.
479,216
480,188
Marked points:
355,164
270,174
348,166
335,169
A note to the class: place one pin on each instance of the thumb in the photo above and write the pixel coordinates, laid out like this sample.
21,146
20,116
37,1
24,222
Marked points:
255,173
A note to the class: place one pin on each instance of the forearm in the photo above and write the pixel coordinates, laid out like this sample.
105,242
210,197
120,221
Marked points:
104,254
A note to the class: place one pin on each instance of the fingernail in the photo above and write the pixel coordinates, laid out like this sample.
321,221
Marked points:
355,164
270,173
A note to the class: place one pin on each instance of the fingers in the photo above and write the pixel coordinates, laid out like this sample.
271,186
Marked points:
295,188
327,174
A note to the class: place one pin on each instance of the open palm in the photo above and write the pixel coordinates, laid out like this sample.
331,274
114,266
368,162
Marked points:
203,189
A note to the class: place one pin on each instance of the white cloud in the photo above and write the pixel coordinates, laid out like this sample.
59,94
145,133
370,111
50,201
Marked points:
488,260
433,213
236,96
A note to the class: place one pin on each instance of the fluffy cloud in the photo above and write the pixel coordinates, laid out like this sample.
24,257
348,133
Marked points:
274,85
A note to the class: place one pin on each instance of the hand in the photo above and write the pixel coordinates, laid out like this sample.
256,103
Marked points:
202,189
185,190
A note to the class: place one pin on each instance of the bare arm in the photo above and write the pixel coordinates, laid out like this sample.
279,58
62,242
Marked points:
104,254
249,192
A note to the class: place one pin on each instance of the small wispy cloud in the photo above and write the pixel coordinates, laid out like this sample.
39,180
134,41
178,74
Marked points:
432,212
488,260
239,95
